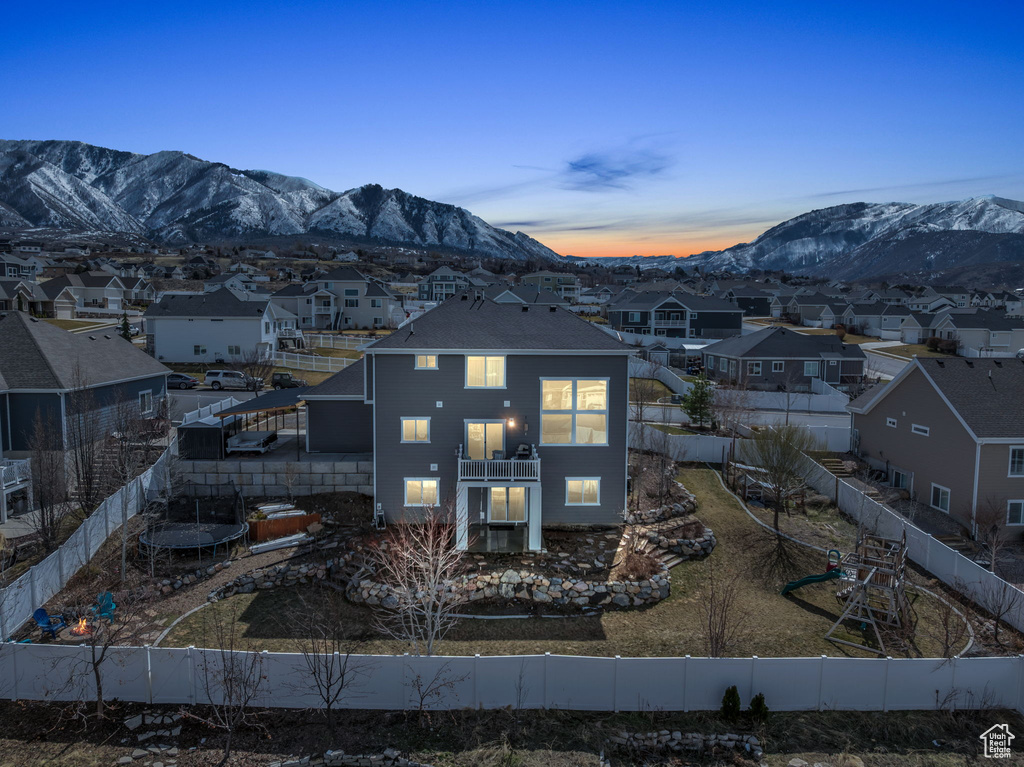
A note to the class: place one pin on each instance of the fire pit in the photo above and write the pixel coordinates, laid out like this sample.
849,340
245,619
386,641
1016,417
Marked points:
81,628
76,630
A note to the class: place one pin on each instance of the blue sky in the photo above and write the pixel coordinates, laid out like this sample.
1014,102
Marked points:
599,128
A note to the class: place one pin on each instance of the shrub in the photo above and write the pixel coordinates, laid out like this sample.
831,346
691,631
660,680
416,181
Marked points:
932,343
639,566
758,708
694,528
731,703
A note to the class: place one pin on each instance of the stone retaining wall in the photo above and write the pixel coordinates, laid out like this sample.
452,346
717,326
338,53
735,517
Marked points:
531,587
687,548
666,740
271,479
669,511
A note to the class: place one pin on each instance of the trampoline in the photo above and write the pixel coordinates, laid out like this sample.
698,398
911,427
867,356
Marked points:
192,535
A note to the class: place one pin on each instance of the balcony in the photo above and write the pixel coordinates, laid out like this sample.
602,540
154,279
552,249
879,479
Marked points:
521,467
323,309
289,333
14,472
669,323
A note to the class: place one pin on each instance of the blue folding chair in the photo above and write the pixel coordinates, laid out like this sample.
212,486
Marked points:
104,607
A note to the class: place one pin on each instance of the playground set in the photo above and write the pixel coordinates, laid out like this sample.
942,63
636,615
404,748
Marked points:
872,588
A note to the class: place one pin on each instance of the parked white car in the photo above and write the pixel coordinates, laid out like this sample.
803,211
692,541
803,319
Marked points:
232,379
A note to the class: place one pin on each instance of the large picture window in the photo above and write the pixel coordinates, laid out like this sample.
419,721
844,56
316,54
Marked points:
420,492
574,411
508,504
485,372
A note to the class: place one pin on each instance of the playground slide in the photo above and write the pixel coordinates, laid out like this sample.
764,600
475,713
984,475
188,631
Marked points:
819,578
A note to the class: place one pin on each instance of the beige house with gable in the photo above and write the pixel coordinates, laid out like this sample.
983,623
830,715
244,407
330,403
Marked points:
950,432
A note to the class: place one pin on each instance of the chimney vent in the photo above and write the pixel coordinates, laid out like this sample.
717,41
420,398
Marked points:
526,308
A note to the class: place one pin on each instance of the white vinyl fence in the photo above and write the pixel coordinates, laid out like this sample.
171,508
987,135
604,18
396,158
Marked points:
206,412
33,589
156,675
315,340
955,570
311,362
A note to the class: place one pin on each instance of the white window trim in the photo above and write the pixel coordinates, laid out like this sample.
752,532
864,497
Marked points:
416,361
753,368
632,316
504,376
575,412
581,479
891,423
923,431
1009,465
141,409
817,369
1010,503
414,441
405,490
931,497
778,366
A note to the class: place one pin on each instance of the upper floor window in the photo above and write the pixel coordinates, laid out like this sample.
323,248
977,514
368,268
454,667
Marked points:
890,422
574,411
1015,512
485,372
634,317
350,291
376,303
415,430
426,362
917,428
146,402
351,303
1017,461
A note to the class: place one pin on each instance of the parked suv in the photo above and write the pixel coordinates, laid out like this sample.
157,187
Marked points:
232,379
287,381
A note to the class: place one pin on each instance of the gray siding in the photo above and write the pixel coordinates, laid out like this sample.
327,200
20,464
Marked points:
23,409
403,391
351,426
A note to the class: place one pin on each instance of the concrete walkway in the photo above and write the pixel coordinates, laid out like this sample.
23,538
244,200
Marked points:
19,526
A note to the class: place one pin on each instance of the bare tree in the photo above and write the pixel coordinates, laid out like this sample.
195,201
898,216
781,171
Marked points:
779,452
949,629
429,689
83,441
421,567
644,389
327,650
721,619
257,364
232,678
49,480
731,406
991,526
997,597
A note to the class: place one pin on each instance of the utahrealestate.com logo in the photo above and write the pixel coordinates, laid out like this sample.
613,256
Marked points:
997,741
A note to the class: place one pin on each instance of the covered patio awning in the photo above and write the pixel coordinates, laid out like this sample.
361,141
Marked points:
280,399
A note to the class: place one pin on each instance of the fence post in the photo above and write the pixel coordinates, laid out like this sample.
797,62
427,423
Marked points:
544,700
33,588
149,675
191,674
821,678
753,665
60,566
885,684
476,697
14,669
86,540
615,684
686,696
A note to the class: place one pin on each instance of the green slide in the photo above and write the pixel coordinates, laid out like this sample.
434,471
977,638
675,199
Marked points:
820,578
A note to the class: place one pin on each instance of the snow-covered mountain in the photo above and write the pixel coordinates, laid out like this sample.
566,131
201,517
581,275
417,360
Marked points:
865,240
173,197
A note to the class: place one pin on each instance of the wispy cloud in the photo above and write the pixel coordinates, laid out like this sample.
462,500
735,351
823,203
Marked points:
923,185
613,169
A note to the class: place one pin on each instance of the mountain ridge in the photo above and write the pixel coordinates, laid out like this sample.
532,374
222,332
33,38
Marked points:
174,197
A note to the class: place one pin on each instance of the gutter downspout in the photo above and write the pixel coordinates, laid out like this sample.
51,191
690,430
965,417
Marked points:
974,500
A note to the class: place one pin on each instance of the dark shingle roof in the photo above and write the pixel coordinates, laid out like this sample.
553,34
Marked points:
219,303
484,324
38,355
345,274
347,383
987,393
783,343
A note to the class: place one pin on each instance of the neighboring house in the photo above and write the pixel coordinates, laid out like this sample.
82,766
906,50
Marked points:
565,285
890,296
235,280
216,327
516,415
443,283
753,301
138,290
959,296
524,294
982,332
41,364
864,318
930,304
674,315
342,298
780,359
951,433
14,268
86,292
599,295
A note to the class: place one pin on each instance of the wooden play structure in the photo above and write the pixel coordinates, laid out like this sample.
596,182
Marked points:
874,589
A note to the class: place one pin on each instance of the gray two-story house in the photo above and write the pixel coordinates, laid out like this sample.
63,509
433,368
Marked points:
512,416
674,315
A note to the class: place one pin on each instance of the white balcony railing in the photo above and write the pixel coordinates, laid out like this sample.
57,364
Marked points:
669,323
500,469
14,472
289,333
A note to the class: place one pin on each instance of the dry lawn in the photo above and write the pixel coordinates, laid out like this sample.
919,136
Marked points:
907,351
774,626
